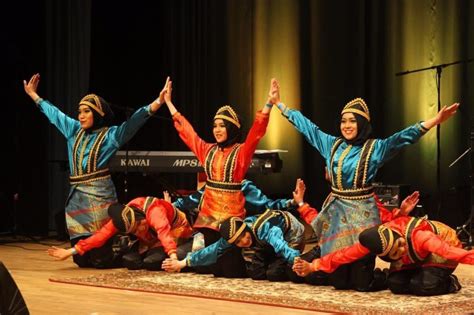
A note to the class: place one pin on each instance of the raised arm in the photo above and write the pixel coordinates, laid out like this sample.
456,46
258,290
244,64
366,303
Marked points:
65,124
307,213
317,138
32,86
129,128
185,130
444,114
385,149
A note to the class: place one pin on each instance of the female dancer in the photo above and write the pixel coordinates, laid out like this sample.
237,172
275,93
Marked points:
353,161
225,163
91,142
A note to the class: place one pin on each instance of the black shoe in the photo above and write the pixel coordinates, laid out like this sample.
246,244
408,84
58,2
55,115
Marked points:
454,286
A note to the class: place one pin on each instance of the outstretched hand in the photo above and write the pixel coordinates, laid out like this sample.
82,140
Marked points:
32,86
173,265
166,196
302,267
446,112
59,253
298,193
168,90
274,92
161,98
409,203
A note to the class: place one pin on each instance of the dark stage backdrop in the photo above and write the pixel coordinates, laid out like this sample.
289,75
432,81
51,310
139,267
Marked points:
324,53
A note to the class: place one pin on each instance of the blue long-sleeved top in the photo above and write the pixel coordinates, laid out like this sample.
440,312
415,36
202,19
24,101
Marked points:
271,232
255,200
383,150
115,138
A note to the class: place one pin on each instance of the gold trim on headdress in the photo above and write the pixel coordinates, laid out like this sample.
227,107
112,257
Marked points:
234,235
130,225
234,119
97,106
349,108
386,244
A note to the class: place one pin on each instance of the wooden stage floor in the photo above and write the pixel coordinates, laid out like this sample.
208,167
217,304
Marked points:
31,268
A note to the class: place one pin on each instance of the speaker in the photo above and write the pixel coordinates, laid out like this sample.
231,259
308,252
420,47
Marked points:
11,300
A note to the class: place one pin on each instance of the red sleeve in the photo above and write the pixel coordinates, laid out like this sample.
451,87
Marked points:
190,137
431,243
157,219
253,138
307,213
385,214
97,239
330,262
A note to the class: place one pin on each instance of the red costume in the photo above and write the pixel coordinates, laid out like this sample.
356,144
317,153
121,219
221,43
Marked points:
429,243
164,226
225,169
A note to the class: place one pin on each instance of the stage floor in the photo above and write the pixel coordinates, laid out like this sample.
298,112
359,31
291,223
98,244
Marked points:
31,268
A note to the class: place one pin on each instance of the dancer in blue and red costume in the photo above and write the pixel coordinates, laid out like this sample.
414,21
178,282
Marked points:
353,160
91,142
225,162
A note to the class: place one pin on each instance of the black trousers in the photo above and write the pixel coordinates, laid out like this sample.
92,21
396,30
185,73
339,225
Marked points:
102,258
230,265
318,277
11,300
153,258
262,263
426,281
359,275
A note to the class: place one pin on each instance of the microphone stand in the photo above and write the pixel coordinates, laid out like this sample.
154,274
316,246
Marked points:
438,69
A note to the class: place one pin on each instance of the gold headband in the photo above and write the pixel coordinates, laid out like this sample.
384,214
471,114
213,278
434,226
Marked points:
234,119
129,224
386,244
358,101
233,236
97,106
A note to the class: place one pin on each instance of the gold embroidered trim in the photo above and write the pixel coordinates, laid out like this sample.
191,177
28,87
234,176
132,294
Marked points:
356,175
229,164
360,197
97,106
81,156
348,108
90,177
234,119
209,160
333,151
339,165
77,141
412,224
386,245
234,236
366,166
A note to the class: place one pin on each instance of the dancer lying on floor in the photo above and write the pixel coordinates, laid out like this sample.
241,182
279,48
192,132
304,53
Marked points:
270,243
161,230
422,253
